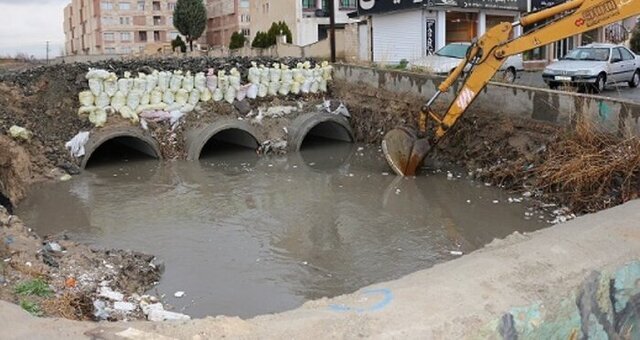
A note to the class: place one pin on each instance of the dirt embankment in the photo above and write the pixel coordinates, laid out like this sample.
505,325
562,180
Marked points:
577,167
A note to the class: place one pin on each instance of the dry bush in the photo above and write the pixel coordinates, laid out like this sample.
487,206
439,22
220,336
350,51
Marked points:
591,170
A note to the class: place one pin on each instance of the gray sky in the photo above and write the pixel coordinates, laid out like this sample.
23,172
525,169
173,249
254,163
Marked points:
26,25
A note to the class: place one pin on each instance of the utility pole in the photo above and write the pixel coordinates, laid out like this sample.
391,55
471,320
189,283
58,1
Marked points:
47,52
332,29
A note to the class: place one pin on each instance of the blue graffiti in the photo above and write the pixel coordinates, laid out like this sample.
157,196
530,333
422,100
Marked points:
387,297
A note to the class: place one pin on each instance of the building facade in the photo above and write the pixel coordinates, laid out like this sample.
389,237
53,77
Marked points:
117,26
308,20
226,17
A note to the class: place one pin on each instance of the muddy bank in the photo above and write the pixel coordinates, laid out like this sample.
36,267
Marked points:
55,277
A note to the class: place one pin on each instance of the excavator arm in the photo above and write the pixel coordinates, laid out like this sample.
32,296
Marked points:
405,149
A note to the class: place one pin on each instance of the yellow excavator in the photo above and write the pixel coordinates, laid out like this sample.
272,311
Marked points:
406,148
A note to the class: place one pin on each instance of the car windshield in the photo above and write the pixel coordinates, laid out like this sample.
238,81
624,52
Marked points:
593,54
453,51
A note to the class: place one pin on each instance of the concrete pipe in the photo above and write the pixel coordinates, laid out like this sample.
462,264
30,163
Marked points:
229,131
128,137
318,124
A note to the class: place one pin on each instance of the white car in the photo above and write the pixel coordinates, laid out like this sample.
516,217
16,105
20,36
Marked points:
595,66
446,59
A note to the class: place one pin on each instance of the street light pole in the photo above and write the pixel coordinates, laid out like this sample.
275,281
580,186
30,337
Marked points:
332,28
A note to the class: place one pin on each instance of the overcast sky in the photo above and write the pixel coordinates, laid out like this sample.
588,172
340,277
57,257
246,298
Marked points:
26,25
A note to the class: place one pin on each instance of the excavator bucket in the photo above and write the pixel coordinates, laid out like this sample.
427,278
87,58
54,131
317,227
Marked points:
404,151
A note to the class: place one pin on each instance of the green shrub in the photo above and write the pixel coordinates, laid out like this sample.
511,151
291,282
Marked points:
35,287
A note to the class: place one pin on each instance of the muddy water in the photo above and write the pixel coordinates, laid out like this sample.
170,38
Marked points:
245,236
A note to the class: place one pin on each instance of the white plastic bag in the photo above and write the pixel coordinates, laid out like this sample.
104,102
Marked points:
200,81
182,96
103,100
168,97
77,143
86,98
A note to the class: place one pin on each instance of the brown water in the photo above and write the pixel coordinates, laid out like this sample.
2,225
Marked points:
246,236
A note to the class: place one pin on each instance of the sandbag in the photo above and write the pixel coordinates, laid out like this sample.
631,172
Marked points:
103,100
217,95
145,99
200,82
297,75
285,87
86,98
98,117
182,96
242,92
124,85
152,82
118,100
194,97
264,74
252,92
275,74
187,82
306,86
95,85
323,85
156,96
212,82
176,81
287,76
168,97
97,74
133,99
173,107
205,96
234,79
230,95
187,108
263,90
273,88
163,80
315,86
85,110
111,84
223,81
295,87
139,84
254,73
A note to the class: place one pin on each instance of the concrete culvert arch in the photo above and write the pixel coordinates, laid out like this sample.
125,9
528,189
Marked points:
316,127
119,145
227,136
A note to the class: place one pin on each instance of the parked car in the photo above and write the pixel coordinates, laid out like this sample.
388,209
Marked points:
446,59
594,66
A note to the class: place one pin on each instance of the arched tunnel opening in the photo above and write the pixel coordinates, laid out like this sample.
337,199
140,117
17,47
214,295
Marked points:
328,145
230,145
6,203
121,149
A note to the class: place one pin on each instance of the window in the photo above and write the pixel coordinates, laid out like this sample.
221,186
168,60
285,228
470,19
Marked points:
125,36
109,36
245,18
171,5
108,21
626,55
156,5
125,21
142,36
157,20
106,5
125,6
246,32
347,4
617,56
141,5
244,3
110,50
309,4
156,35
126,50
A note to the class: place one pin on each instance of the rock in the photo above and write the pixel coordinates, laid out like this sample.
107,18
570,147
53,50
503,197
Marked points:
19,133
124,306
242,106
65,178
54,247
70,168
106,292
163,315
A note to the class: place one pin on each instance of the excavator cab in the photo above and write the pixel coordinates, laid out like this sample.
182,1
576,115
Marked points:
405,148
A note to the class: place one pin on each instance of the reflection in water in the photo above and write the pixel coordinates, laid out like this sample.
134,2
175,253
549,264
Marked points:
244,235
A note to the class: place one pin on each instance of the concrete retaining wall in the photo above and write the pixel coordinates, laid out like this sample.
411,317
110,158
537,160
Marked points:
613,115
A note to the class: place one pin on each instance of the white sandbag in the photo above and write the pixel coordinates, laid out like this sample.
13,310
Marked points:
242,92
298,75
127,113
287,76
176,81
230,95
285,87
264,74
263,90
307,73
187,82
168,97
156,96
98,117
86,98
159,106
275,73
212,82
173,107
315,86
152,82
217,95
234,79
143,108
187,108
145,99
273,88
125,85
295,87
194,97
103,100
118,100
163,80
85,110
306,86
111,84
77,143
205,96
200,81
139,84
95,85
323,85
252,92
133,99
182,96
97,74
327,72
223,81
254,73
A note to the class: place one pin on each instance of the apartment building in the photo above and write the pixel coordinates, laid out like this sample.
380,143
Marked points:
226,17
117,26
307,19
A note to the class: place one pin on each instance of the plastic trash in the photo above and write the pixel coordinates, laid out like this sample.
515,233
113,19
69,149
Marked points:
19,133
77,143
86,98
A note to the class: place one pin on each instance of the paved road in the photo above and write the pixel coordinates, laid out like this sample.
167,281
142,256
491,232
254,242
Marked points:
619,91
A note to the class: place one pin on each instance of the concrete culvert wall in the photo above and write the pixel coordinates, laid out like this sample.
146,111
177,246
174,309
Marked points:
116,145
316,126
221,136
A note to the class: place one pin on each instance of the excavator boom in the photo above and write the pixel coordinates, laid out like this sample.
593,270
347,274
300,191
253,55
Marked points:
405,149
